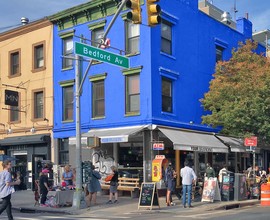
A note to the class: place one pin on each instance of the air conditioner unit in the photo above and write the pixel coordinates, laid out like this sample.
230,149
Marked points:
93,142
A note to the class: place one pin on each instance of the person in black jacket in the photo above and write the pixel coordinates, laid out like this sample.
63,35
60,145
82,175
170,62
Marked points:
113,186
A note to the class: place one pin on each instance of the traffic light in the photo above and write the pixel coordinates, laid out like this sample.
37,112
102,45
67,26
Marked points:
135,14
153,11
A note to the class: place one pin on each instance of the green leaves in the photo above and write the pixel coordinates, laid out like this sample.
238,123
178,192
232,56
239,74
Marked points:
239,95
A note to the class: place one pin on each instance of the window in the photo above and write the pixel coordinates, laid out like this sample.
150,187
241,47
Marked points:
14,114
132,38
219,53
133,93
63,151
67,51
38,105
68,103
38,56
97,35
98,99
14,63
166,37
166,95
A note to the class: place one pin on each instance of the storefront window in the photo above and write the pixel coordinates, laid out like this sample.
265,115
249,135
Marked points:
63,151
218,161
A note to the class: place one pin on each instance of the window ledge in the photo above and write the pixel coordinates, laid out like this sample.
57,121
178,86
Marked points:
38,69
69,68
98,118
37,119
133,54
67,121
15,75
132,114
168,55
168,113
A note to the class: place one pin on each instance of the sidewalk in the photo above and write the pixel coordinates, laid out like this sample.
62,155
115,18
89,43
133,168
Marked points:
24,201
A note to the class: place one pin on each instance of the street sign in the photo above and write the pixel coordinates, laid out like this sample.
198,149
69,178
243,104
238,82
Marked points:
158,146
101,55
251,141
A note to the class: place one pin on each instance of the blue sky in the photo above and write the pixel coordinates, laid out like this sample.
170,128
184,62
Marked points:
11,11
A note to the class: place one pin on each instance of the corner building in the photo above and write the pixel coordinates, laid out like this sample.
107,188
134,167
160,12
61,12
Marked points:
124,111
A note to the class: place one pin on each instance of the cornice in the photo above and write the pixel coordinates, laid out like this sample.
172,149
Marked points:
24,29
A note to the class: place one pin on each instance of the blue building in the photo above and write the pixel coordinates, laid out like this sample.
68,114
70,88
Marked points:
124,111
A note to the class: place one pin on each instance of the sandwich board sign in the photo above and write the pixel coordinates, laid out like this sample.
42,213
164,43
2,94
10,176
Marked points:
211,190
148,196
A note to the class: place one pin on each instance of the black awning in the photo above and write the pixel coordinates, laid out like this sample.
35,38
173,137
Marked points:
27,139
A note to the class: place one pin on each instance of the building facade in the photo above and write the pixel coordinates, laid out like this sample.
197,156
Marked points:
156,100
27,96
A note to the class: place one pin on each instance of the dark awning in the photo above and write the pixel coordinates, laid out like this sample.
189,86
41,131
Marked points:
194,141
236,144
27,139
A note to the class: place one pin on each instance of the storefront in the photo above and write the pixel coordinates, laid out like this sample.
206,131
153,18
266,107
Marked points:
28,151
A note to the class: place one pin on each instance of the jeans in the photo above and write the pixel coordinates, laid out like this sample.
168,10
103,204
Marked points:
174,191
187,189
43,197
6,205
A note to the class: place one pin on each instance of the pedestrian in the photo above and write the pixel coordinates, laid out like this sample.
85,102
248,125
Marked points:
43,187
113,186
209,172
188,177
21,186
169,183
67,176
174,191
6,188
93,186
222,172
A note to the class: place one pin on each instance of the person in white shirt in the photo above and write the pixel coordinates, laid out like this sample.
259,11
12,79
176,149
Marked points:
188,177
222,171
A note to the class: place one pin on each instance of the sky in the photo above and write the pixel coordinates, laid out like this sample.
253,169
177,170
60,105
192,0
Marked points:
11,11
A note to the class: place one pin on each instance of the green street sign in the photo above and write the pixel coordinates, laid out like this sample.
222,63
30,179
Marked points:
101,55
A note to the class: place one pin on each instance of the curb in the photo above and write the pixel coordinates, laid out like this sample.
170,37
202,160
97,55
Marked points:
233,205
33,210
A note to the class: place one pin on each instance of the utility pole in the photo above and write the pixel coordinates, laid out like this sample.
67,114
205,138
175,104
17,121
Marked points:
78,84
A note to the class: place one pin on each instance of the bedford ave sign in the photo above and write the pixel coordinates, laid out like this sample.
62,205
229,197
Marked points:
101,55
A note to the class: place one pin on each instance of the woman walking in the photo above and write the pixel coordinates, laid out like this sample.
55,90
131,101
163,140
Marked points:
113,186
6,188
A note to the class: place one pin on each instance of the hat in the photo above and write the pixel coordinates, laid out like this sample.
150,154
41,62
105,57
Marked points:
45,171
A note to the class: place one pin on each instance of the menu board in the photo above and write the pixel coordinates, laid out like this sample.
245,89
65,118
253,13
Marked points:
148,195
210,190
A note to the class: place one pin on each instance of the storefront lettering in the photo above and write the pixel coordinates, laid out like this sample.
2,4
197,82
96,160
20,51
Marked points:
114,139
202,149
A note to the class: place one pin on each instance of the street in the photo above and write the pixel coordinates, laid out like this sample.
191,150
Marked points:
245,213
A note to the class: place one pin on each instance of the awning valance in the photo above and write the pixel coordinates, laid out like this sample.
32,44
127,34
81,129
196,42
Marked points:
27,139
114,135
236,144
194,141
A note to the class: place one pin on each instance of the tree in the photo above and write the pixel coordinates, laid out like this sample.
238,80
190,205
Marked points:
239,95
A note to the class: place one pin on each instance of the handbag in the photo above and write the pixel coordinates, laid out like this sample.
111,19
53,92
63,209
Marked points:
108,178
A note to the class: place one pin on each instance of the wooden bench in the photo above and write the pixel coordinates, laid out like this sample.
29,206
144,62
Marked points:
125,184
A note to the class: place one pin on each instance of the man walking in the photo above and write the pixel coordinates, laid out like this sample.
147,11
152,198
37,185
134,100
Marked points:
188,177
6,188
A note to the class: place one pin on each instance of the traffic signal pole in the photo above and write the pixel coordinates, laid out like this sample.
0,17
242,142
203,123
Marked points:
78,91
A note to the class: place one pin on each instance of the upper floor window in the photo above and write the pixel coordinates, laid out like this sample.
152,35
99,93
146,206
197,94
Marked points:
98,99
38,105
15,63
97,35
132,38
68,103
67,51
133,93
166,37
166,95
38,59
219,53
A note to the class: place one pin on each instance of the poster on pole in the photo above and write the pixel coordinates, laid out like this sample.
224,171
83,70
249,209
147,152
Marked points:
148,196
211,190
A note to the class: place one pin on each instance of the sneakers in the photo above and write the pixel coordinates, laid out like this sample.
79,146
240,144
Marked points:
172,204
109,202
191,206
43,205
115,201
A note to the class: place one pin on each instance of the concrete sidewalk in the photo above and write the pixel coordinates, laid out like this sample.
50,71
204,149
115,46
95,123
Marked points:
24,201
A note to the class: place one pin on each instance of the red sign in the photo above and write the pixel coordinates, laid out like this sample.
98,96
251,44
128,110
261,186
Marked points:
251,141
158,146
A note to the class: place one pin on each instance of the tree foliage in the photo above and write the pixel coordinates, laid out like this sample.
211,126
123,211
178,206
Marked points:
239,95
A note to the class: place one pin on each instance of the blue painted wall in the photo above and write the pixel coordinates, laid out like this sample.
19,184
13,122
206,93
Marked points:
191,67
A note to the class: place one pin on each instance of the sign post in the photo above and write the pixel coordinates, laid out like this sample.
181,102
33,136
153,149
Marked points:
251,142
